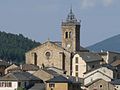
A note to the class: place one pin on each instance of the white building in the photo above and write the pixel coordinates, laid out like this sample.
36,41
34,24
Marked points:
101,73
84,61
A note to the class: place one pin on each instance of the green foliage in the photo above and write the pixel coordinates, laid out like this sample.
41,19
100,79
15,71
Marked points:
20,88
13,47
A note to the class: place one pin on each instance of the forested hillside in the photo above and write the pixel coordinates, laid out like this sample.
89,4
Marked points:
13,47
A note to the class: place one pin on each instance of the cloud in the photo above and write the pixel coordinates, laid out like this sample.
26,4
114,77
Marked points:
107,2
87,3
93,3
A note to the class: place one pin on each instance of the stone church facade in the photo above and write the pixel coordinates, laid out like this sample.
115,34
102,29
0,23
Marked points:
59,54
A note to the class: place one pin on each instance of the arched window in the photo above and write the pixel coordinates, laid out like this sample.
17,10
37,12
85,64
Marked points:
70,34
35,58
66,34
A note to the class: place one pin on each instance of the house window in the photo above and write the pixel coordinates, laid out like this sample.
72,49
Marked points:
51,85
19,84
76,67
76,60
9,84
5,84
76,74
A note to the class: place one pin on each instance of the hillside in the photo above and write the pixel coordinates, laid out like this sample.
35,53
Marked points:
110,44
13,47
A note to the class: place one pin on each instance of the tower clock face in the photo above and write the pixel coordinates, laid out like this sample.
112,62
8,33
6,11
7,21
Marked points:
68,45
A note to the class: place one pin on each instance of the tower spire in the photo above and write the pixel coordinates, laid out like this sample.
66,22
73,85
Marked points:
71,8
71,16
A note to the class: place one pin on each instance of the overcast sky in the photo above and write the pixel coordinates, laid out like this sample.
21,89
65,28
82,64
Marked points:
41,19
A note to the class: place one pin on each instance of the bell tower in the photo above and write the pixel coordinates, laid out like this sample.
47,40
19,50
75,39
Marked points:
71,33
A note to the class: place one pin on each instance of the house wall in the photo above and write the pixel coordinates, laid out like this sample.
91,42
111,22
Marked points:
58,86
3,86
10,67
101,85
117,87
94,77
81,66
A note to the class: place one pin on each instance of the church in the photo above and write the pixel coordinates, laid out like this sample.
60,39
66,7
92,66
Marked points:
62,55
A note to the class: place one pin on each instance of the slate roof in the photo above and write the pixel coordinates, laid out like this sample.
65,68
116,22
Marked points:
98,71
75,79
19,76
56,70
115,82
29,67
89,56
105,65
51,72
59,79
38,86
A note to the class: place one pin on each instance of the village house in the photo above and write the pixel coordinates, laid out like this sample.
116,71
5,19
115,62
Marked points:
103,72
62,83
99,84
11,68
15,80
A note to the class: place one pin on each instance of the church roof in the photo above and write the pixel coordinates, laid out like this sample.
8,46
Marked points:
55,43
82,49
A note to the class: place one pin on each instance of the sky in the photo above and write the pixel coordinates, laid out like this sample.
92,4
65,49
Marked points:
41,19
